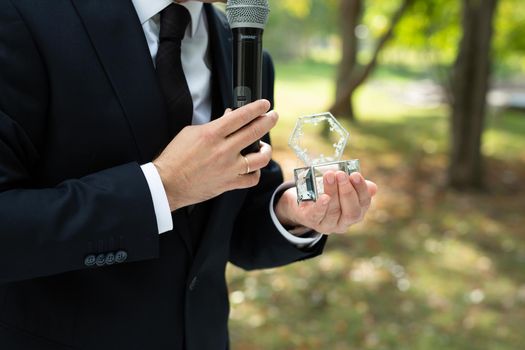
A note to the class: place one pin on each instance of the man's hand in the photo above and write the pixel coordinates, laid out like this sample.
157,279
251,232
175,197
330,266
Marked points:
344,203
204,161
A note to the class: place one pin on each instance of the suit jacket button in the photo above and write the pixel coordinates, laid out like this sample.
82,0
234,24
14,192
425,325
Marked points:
101,260
121,256
193,284
110,259
90,260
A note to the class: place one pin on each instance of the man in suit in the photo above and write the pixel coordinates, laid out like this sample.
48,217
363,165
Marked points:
123,193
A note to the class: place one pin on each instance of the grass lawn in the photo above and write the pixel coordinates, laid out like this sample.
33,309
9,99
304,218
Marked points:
429,269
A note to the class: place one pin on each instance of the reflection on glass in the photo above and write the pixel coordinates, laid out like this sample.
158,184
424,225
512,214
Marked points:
309,180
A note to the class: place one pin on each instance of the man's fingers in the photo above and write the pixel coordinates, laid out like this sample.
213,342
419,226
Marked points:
372,188
253,131
259,160
334,209
235,120
362,189
314,213
350,208
247,180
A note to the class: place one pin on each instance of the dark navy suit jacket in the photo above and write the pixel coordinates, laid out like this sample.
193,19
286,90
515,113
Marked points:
81,263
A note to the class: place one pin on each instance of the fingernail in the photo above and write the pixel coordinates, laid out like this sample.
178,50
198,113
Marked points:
330,178
356,178
342,178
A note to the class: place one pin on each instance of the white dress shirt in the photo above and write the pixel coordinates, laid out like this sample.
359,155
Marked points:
195,64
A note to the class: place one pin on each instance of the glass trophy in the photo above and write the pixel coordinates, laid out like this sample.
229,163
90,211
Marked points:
305,142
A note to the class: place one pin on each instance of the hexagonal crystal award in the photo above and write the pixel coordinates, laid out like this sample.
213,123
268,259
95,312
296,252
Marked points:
309,180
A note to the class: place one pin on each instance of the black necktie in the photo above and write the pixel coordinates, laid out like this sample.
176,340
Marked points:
173,22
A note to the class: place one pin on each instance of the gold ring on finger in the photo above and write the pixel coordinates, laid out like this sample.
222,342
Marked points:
248,170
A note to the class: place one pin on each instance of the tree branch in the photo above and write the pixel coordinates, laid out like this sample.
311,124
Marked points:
355,80
382,42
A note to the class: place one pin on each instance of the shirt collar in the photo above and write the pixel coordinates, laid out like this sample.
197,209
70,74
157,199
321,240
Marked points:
149,8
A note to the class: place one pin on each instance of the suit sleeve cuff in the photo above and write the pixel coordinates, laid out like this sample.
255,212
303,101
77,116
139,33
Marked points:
158,195
300,242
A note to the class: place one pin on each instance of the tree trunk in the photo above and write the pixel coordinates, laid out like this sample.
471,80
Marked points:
350,12
470,82
351,75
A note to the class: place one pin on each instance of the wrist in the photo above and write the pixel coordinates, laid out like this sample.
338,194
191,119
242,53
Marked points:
172,202
283,212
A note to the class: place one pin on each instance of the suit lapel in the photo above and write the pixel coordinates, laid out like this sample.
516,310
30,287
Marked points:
222,96
220,39
220,55
118,39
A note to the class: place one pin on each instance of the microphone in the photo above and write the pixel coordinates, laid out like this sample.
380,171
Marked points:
247,20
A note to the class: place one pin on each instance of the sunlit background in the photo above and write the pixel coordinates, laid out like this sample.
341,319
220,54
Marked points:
432,267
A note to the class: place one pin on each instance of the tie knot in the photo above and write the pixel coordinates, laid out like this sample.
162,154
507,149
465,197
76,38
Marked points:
174,20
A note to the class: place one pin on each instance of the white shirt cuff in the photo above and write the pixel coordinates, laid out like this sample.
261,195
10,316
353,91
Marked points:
158,195
300,242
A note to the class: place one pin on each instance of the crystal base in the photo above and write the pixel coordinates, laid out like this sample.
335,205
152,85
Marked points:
309,180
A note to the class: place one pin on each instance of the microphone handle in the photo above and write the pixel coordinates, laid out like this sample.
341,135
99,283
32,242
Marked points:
247,71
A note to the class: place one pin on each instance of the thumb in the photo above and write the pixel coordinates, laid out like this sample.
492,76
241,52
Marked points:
372,188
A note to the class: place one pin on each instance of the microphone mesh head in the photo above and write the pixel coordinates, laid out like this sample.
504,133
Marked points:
247,13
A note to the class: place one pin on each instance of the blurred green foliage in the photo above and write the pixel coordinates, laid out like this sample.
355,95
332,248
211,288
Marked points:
510,28
431,28
430,269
